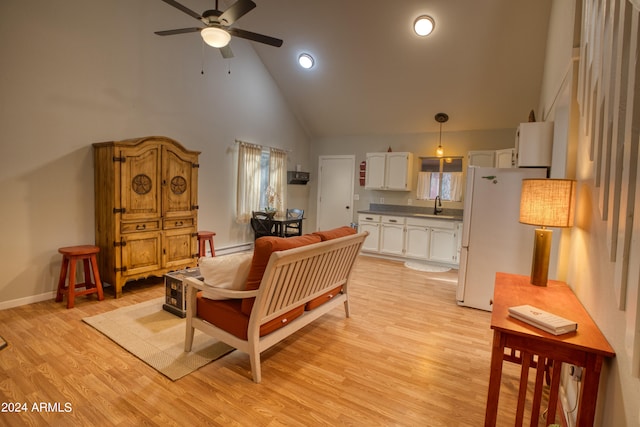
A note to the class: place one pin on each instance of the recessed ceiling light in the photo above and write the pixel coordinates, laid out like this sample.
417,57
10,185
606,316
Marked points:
305,60
423,25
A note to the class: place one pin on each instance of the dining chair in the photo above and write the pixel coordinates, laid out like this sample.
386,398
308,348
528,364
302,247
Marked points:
262,224
295,228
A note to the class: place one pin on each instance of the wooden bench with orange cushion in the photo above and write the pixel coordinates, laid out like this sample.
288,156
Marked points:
291,282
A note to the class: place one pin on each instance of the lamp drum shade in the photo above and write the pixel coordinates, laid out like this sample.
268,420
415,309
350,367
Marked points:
547,202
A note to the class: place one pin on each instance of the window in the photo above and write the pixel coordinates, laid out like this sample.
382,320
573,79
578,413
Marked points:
262,175
440,177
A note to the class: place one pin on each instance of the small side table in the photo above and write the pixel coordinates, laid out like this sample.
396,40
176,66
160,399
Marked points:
586,347
176,290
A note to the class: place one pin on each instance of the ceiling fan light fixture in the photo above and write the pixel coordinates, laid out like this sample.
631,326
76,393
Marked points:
423,25
306,61
215,37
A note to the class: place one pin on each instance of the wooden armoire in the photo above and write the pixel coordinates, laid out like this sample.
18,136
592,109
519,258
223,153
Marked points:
146,197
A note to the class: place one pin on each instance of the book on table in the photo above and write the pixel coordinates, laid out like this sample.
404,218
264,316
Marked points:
544,320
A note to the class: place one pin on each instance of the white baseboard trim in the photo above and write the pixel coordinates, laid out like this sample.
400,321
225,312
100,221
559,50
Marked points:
27,300
242,247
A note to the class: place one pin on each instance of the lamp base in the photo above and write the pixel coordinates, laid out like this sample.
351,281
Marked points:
541,251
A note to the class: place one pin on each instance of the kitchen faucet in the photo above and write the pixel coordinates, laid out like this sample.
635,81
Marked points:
437,203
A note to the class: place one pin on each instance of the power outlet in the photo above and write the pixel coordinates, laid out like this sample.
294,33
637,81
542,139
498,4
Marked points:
576,373
381,199
409,202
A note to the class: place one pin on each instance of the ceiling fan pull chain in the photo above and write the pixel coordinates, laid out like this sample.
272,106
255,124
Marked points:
202,58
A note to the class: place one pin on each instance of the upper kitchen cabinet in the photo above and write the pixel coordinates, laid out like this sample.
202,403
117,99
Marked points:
506,158
534,143
389,171
482,158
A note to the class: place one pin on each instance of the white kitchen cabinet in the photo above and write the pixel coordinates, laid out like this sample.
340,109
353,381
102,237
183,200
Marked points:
506,158
483,158
392,235
375,170
443,245
370,223
410,237
534,144
389,171
417,239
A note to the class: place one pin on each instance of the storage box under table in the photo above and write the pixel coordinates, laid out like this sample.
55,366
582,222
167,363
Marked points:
176,290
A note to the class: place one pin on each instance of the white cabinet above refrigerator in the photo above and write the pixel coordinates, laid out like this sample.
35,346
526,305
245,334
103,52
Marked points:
534,144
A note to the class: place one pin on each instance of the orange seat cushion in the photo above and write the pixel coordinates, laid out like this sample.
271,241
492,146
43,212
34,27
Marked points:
335,233
228,315
264,247
318,301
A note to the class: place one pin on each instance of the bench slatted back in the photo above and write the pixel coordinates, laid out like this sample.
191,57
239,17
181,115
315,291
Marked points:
296,276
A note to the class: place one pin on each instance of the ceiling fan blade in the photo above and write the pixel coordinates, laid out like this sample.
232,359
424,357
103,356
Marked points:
183,9
226,52
178,31
236,11
261,38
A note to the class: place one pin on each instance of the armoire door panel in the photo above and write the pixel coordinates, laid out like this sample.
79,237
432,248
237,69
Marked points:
140,183
141,252
177,179
179,246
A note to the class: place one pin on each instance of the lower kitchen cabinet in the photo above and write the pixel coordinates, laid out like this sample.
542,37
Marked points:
371,224
442,244
392,235
436,240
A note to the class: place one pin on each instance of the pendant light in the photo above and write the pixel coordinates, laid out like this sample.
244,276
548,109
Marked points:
441,118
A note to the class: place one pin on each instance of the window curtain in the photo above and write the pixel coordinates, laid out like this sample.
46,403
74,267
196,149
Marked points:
248,197
424,185
278,178
456,186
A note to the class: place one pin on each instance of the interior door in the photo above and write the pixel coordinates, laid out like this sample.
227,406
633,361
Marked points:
335,191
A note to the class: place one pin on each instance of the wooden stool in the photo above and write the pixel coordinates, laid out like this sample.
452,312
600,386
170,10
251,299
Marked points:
70,256
203,238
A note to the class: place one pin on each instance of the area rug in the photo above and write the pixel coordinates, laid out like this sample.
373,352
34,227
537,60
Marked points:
426,267
156,337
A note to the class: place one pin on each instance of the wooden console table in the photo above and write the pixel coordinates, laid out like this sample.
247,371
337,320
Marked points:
534,348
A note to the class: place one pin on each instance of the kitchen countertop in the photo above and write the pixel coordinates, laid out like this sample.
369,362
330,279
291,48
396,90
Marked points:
413,212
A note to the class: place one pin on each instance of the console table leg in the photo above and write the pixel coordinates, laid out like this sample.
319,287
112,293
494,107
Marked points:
495,377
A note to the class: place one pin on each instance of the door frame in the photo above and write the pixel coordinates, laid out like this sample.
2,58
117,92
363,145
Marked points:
351,186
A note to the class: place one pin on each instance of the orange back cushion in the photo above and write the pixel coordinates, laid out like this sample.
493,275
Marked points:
335,233
264,247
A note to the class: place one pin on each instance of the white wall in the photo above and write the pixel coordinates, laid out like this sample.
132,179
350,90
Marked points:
588,270
76,72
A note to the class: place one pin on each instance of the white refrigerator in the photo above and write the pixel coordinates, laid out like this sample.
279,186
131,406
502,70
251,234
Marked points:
492,238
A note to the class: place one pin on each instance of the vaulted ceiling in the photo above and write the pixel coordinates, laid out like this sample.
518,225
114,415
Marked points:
482,65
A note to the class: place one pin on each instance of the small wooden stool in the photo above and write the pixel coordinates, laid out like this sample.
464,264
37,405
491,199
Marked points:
203,238
70,256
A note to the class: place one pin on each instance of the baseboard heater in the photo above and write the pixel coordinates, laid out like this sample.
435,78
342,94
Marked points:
241,247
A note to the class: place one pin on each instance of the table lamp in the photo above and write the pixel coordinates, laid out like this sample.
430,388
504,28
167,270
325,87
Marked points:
545,203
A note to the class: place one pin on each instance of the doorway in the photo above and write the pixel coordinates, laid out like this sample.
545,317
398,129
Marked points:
335,191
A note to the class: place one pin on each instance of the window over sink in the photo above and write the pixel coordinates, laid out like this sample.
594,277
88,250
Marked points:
440,176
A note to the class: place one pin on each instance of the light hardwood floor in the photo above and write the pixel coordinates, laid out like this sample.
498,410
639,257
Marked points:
407,356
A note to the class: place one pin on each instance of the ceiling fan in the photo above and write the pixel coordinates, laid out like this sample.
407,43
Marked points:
218,31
